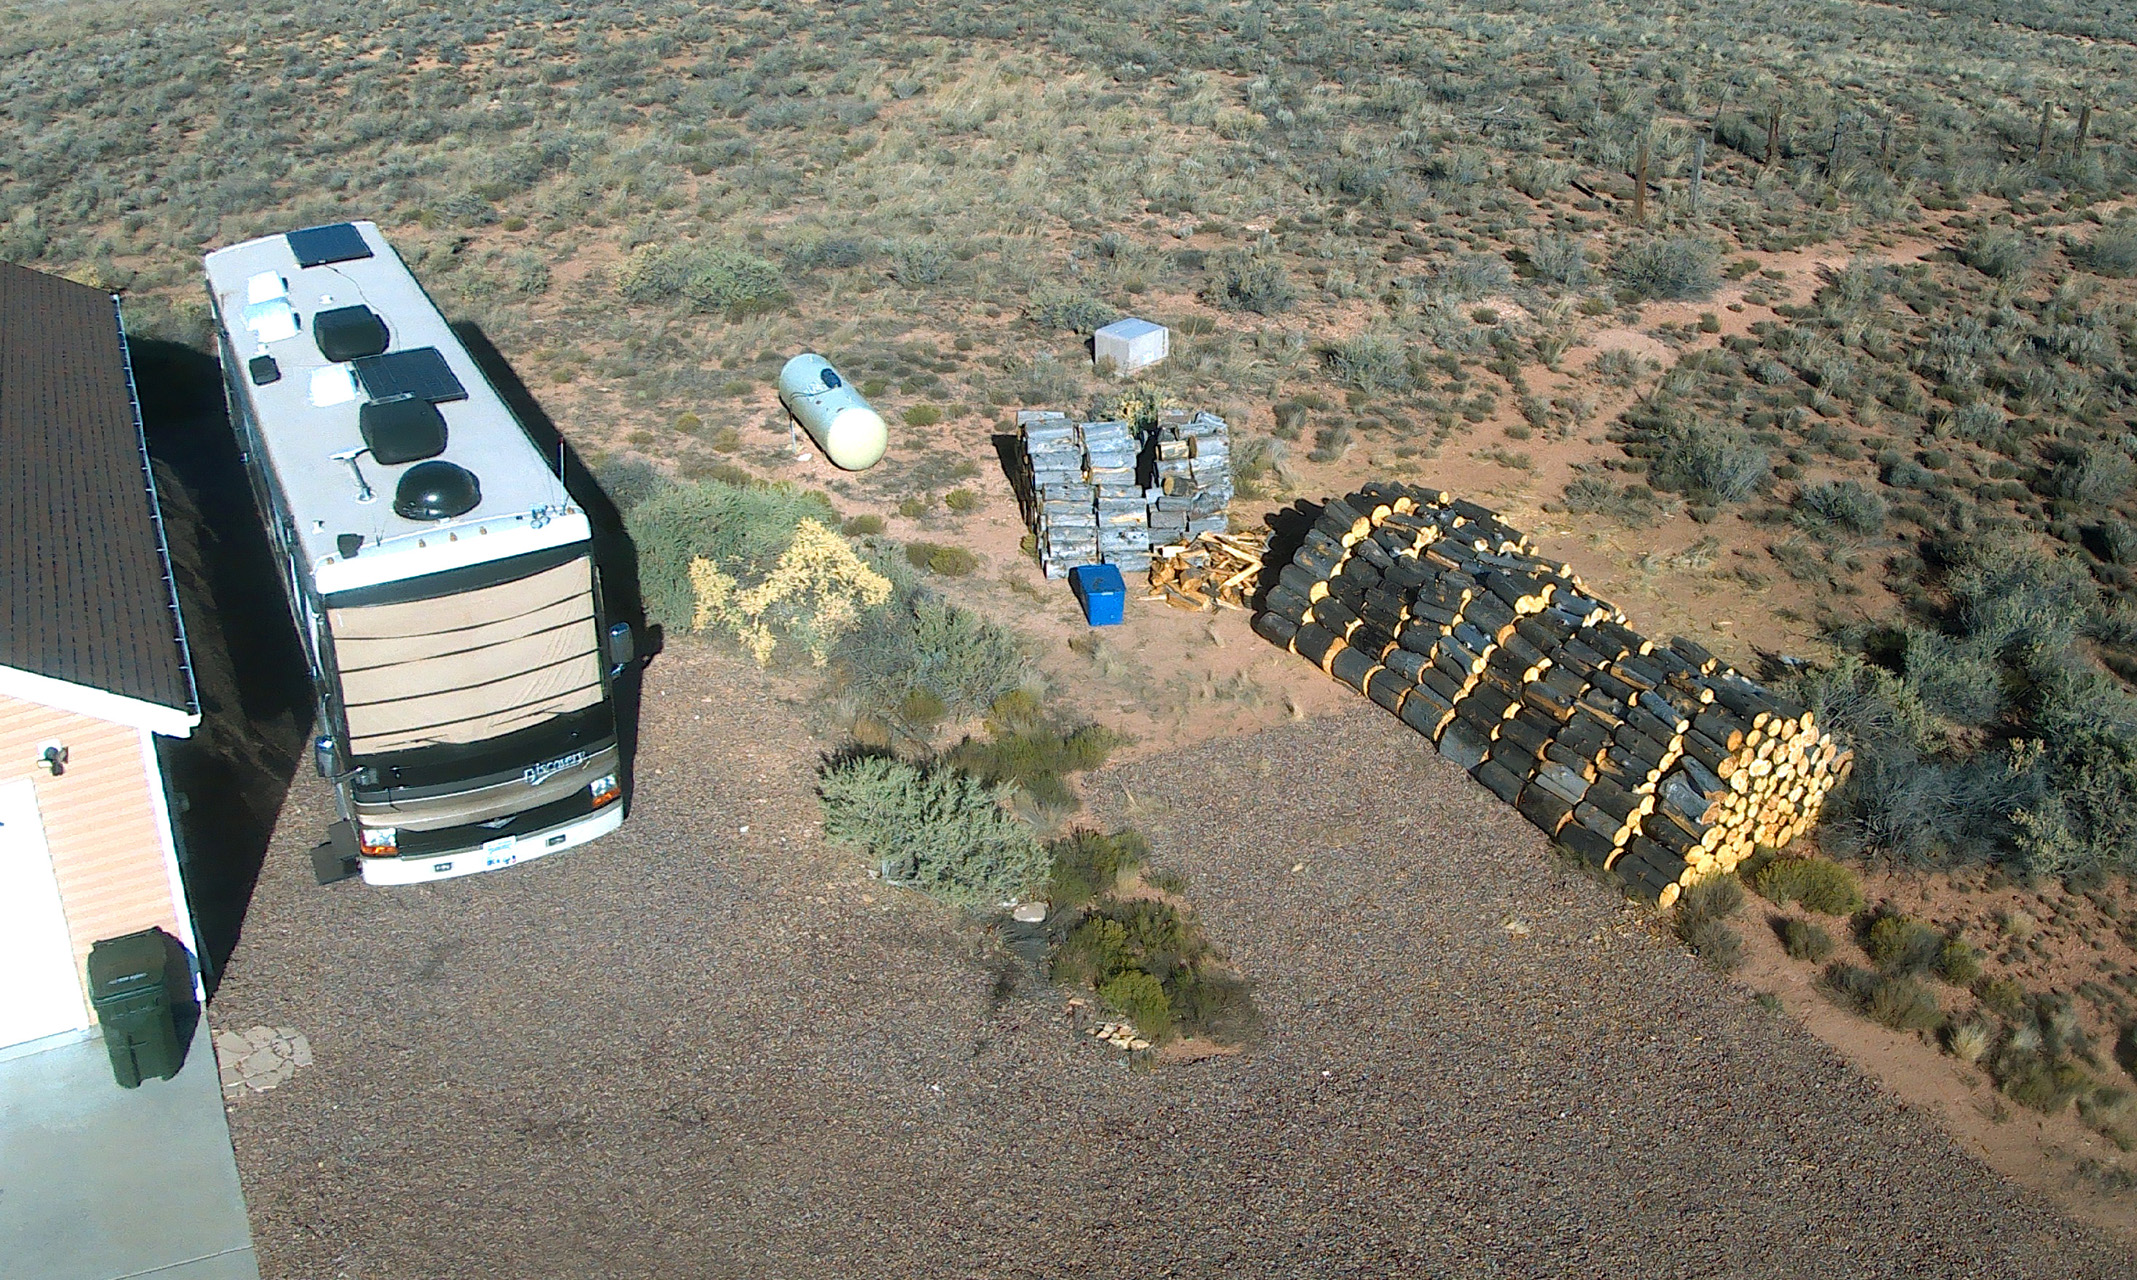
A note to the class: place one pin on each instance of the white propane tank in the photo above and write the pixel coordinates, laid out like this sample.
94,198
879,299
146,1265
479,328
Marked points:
843,425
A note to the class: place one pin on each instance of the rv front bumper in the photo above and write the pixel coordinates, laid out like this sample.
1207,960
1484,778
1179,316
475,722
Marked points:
504,851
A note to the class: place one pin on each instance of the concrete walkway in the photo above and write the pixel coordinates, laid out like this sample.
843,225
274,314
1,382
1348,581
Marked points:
101,1183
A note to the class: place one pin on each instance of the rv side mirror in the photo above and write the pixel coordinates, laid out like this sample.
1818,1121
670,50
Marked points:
325,758
622,647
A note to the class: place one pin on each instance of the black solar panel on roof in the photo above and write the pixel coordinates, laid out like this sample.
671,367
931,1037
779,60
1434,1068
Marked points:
421,372
336,242
347,333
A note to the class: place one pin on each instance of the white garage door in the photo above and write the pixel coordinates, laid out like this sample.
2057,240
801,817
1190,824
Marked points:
39,994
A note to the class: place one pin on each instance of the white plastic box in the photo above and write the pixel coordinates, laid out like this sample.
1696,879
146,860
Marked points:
1131,344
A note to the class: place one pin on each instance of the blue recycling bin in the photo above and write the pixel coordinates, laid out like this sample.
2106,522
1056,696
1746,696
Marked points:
1101,592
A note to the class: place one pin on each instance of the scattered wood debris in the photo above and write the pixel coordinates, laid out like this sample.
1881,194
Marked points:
1209,571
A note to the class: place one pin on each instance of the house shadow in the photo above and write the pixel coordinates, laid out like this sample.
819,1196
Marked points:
615,555
230,777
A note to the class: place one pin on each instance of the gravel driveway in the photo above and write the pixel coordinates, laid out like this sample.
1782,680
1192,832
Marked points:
690,1050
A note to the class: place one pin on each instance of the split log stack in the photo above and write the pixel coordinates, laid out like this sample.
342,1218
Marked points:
1191,476
1655,762
1084,492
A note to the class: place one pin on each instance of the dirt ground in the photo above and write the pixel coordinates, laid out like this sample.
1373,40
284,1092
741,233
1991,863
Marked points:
709,1045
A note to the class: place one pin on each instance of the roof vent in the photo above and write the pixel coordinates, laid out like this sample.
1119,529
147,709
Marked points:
332,384
265,286
436,491
263,370
345,333
402,429
271,320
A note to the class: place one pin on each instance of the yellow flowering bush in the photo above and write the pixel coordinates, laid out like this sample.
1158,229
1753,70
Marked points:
814,594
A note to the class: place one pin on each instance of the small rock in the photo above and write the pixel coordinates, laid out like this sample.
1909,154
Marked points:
1029,913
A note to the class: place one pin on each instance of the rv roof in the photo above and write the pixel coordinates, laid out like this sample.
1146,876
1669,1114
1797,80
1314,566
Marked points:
308,412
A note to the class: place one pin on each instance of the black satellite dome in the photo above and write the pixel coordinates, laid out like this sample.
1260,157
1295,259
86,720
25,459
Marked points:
436,491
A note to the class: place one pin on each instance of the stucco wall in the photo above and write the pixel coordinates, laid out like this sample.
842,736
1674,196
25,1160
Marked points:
102,822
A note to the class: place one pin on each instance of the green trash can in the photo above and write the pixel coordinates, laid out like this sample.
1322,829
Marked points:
133,1006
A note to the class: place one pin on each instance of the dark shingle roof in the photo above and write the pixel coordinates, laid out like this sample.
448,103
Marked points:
89,597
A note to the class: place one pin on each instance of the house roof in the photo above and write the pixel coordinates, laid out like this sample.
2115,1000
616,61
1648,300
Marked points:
92,621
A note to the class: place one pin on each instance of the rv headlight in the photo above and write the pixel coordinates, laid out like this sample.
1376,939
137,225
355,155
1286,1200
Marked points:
378,842
604,789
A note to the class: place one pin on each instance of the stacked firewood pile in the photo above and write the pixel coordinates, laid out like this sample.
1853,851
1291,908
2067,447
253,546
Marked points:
1084,493
1655,762
1211,570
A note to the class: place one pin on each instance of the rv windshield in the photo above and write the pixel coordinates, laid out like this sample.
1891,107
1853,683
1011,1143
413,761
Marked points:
467,656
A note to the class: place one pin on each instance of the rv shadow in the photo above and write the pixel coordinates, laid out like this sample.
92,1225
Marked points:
230,777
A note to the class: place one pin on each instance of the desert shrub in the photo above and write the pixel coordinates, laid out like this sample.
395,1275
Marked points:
1155,939
1243,281
1903,1004
1058,307
932,828
950,562
814,594
1958,963
924,644
742,528
2005,997
2114,541
867,526
630,482
1899,944
1141,999
2082,813
1038,759
1958,679
1803,940
1842,504
918,263
921,415
1713,941
1634,505
1893,1000
1329,444
2092,477
1089,865
1673,268
711,278
2112,251
2110,1111
961,501
2033,1079
2004,255
1971,1040
1819,884
834,252
1702,460
1043,379
1714,898
1559,259
2017,600
1473,275
1371,362
1701,922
